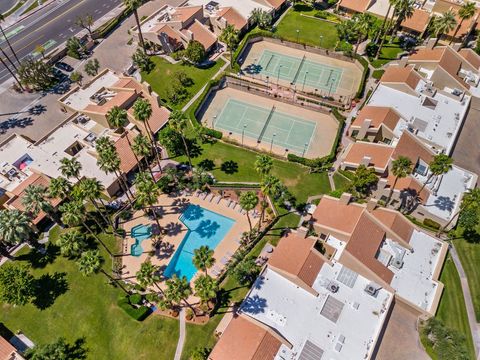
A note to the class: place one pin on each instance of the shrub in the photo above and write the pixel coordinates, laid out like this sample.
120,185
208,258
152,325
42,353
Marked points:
336,193
189,314
213,133
321,14
135,299
431,223
152,297
138,314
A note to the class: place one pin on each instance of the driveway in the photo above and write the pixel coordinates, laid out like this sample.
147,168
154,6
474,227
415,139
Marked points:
401,340
466,153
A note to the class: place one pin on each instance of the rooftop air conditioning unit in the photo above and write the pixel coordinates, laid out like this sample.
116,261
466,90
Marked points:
333,287
397,263
372,289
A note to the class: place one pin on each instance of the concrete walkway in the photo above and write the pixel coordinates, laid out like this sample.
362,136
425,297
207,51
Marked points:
181,338
472,321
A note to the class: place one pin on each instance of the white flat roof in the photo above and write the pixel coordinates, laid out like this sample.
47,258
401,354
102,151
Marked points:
244,7
355,317
413,281
80,99
380,8
160,16
446,191
439,125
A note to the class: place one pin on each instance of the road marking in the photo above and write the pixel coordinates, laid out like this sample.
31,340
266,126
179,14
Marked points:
47,45
30,43
14,31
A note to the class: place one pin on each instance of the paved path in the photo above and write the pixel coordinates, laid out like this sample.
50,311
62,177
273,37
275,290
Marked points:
474,326
197,95
181,338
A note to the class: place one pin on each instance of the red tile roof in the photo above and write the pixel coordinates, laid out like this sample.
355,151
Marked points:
418,21
201,34
233,17
379,154
128,161
396,222
333,214
398,74
378,115
412,148
471,56
355,5
6,349
245,340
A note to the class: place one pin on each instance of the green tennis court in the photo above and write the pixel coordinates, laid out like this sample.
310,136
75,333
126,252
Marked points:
265,125
299,71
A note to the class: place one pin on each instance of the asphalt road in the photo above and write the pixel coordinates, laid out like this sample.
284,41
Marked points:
6,5
50,27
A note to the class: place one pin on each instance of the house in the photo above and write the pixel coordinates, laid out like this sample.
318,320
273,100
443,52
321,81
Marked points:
8,351
374,155
173,28
304,306
106,90
376,124
382,245
417,24
467,26
354,6
221,17
244,7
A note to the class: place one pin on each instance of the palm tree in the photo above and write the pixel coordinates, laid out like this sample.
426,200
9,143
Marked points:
269,187
19,83
443,24
440,164
14,228
142,148
70,168
147,193
263,165
230,37
117,118
74,214
404,9
2,18
248,202
203,258
401,9
178,290
401,168
35,200
142,111
148,275
261,17
109,161
363,24
205,288
134,5
384,22
59,188
91,263
93,190
71,244
178,122
470,200
466,11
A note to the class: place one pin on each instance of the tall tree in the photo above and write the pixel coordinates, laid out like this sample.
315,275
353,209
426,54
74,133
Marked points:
363,181
36,73
134,5
401,168
443,24
362,26
91,263
2,19
91,67
71,243
59,188
270,186
262,18
404,9
396,4
35,200
178,290
178,122
12,73
117,118
466,11
17,285
203,258
142,111
14,228
142,148
85,22
147,194
248,201
440,164
70,168
58,350
93,190
148,275
205,288
470,201
263,165
230,37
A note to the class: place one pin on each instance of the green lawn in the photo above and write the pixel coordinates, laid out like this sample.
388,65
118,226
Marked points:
377,74
160,78
295,177
452,311
310,30
341,182
389,52
88,310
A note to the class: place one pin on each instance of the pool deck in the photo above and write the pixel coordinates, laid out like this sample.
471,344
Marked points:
174,232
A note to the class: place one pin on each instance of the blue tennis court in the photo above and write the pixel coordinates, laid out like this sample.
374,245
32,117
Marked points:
266,125
299,71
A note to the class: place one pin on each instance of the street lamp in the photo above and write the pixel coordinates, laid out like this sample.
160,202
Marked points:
243,132
304,149
278,74
268,79
298,34
304,79
213,121
254,67
271,143
331,84
321,40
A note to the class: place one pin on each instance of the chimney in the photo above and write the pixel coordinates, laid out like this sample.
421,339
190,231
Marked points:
372,205
345,198
189,35
403,62
382,183
366,161
456,46
431,44
362,133
302,231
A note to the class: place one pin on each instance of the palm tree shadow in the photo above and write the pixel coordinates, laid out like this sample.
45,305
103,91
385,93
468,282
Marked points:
48,288
41,257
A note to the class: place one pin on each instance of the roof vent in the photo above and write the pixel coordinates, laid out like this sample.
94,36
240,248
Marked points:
397,263
333,287
372,289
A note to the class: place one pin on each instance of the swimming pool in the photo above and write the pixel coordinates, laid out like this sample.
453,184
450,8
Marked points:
139,233
205,227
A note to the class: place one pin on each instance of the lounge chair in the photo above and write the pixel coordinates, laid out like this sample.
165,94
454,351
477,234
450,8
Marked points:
224,260
234,205
197,193
204,196
219,199
209,198
229,202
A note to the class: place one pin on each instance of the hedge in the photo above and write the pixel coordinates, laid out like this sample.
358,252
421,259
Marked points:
107,27
138,314
213,133
194,107
366,72
135,299
431,223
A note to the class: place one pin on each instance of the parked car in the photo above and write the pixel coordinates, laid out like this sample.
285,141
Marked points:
63,66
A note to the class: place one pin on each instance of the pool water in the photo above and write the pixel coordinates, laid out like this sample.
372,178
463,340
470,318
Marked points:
139,233
205,227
